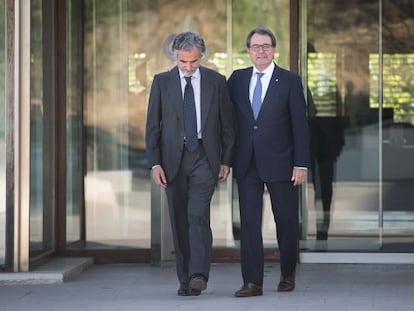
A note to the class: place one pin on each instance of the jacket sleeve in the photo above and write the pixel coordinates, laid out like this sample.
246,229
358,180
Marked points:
153,125
227,120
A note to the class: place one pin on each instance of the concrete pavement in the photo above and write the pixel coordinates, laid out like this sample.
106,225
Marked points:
320,287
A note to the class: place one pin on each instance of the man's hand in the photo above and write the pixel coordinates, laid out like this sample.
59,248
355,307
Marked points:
299,176
223,173
159,176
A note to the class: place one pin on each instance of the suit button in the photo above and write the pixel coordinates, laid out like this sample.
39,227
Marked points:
255,127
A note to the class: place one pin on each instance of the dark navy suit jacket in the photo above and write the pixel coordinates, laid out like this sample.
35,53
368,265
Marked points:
279,138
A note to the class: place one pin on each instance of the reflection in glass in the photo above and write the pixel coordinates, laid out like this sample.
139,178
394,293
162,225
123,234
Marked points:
2,131
74,122
343,192
117,69
371,195
326,133
36,128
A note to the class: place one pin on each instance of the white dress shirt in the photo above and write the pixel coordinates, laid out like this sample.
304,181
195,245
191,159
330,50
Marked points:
268,72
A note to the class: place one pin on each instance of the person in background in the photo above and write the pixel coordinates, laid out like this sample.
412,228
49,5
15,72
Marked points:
272,150
189,143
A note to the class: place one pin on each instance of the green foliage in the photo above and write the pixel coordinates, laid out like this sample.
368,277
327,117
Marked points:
272,14
397,84
322,82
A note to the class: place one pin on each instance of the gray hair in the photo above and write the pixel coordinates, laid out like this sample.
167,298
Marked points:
186,41
261,31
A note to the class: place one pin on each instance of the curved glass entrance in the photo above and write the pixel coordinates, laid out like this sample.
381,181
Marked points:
83,183
357,64
114,47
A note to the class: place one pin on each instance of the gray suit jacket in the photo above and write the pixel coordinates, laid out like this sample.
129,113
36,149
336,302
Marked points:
165,124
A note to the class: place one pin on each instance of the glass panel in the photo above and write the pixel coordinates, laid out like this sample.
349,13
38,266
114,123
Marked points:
120,56
2,131
398,137
36,128
344,189
74,122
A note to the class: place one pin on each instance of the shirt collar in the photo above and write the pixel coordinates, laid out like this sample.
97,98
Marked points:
267,71
195,75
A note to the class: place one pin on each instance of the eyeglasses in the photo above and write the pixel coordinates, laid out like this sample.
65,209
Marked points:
264,47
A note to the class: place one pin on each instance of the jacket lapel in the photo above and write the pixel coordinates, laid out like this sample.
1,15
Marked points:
244,88
271,91
176,92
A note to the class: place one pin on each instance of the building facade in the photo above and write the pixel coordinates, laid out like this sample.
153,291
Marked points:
74,83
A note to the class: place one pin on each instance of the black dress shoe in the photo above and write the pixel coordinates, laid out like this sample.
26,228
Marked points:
194,292
249,290
184,290
198,283
286,284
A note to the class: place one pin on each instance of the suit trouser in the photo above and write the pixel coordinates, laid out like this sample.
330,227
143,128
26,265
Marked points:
284,201
189,196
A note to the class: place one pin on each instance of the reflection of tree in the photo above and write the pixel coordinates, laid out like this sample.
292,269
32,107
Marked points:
397,30
397,89
36,50
321,68
273,14
354,23
349,30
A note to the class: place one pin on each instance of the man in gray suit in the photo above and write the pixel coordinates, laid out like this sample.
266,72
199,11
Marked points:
190,150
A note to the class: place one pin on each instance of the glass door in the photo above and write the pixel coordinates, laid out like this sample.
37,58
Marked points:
123,44
343,194
114,47
396,67
42,129
75,220
359,70
37,109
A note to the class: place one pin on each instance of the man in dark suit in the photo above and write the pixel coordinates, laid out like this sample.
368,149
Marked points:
272,149
189,141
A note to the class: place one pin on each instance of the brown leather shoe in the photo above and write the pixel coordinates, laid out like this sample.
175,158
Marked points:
198,283
184,290
286,284
249,290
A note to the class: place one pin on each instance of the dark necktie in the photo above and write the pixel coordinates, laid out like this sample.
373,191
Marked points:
257,95
190,117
